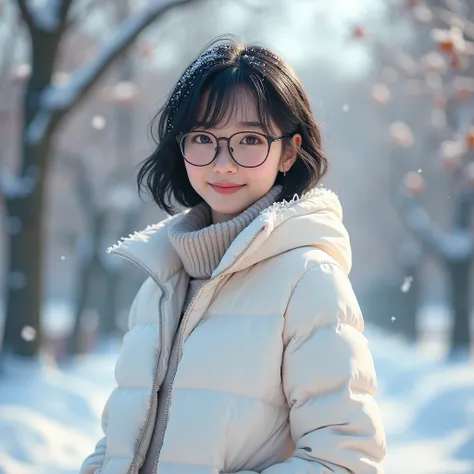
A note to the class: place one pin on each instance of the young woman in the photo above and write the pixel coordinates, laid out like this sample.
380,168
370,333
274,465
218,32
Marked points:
245,351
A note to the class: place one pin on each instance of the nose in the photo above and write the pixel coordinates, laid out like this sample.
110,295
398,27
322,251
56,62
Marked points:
224,162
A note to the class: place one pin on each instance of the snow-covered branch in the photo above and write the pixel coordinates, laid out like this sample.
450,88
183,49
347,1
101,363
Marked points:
39,126
61,99
419,222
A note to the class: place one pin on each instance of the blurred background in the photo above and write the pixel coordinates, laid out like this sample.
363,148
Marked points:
391,82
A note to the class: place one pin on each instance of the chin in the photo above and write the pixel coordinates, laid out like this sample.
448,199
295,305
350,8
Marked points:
230,209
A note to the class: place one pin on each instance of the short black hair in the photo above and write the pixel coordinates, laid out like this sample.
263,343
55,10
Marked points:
220,69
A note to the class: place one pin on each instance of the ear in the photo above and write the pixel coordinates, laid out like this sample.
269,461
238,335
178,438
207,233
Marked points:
289,157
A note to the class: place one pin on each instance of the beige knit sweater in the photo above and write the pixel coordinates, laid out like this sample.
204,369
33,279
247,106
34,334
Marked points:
201,244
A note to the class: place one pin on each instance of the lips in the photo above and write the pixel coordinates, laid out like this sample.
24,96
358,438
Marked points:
226,185
226,188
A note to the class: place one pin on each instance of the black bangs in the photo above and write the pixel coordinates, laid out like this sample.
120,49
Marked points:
228,95
215,89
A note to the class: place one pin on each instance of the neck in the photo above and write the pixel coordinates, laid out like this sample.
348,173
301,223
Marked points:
201,245
218,218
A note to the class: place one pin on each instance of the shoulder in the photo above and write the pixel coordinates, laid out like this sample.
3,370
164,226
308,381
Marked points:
296,263
323,296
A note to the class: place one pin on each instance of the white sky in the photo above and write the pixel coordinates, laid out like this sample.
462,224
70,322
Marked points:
302,31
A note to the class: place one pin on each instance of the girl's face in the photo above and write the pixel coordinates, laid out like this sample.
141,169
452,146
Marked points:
226,187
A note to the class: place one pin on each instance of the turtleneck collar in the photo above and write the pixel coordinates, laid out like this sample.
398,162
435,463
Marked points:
201,244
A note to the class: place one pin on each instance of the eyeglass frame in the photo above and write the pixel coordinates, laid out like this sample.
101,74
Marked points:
269,138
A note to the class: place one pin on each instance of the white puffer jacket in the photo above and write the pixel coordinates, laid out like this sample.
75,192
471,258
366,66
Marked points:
271,371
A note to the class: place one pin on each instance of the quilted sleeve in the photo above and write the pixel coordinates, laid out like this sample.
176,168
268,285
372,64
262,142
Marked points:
329,380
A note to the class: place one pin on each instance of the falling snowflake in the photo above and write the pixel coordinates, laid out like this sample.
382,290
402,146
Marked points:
345,107
63,257
420,170
23,71
393,318
28,333
406,285
98,122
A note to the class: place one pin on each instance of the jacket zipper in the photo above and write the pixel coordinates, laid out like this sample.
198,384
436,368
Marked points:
153,389
179,343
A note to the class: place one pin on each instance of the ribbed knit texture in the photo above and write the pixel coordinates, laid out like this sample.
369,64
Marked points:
201,245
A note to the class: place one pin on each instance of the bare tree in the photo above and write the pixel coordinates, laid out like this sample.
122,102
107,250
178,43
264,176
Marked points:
98,280
45,107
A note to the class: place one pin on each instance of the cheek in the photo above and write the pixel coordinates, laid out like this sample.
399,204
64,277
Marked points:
263,176
269,169
195,173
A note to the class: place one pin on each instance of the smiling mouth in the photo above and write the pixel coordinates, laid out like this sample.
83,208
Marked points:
226,188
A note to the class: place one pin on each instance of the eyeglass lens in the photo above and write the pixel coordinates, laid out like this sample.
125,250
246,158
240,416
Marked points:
247,148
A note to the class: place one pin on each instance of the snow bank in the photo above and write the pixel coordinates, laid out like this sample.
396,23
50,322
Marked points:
50,417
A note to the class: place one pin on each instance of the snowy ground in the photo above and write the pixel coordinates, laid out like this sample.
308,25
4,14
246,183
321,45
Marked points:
49,418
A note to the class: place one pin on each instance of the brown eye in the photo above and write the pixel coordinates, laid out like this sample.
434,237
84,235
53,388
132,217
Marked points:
204,139
251,140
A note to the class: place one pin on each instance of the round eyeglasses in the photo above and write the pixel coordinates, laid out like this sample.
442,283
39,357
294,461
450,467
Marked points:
248,149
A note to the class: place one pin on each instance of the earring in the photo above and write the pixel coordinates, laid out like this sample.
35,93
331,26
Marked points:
284,173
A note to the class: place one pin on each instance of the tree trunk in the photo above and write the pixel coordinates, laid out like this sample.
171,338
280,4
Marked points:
24,278
24,291
459,281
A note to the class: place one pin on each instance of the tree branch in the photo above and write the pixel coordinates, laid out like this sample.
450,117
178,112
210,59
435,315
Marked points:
61,99
57,101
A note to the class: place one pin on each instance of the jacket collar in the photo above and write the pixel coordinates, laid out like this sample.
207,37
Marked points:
314,219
